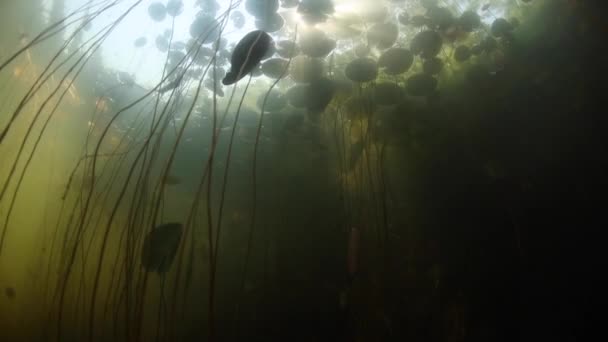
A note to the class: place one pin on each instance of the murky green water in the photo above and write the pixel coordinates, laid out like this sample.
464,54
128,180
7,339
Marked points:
357,170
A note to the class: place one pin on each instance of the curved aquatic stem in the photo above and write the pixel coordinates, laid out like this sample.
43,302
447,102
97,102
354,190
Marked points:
88,197
42,79
48,32
25,99
158,192
254,179
226,168
93,298
93,47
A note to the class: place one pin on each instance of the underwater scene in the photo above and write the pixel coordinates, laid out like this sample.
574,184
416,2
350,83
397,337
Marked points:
301,170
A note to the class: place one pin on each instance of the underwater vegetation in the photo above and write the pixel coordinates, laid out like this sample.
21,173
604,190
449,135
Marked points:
308,170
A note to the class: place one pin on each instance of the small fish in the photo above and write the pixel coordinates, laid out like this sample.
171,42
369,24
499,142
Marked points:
172,180
10,292
485,7
321,146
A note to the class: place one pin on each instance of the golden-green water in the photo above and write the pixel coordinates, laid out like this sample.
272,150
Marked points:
335,193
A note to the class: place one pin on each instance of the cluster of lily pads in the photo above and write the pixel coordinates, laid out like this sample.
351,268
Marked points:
385,53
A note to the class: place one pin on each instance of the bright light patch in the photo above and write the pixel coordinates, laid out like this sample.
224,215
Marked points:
145,63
